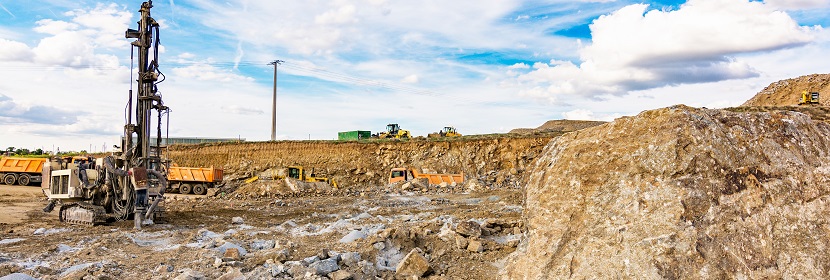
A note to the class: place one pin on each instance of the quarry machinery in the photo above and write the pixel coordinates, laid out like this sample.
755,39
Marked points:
129,183
399,174
393,130
21,170
193,179
808,98
295,172
447,131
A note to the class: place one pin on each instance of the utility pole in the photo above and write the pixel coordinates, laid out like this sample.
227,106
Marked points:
274,107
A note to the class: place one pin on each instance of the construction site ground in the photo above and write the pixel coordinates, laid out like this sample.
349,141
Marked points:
273,230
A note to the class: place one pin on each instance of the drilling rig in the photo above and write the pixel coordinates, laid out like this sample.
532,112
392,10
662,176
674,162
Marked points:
130,183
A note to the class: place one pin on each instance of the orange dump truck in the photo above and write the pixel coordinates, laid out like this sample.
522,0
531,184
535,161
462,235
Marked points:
406,174
193,179
22,171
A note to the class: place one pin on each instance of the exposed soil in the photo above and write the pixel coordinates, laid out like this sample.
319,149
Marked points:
192,238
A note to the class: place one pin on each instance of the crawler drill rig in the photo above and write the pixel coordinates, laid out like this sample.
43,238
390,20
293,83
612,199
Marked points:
129,183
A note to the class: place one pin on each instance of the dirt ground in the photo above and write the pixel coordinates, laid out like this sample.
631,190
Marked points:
278,237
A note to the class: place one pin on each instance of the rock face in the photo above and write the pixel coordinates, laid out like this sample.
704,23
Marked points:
681,193
788,92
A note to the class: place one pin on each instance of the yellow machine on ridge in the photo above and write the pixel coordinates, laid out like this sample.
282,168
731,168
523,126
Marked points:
447,131
393,130
808,98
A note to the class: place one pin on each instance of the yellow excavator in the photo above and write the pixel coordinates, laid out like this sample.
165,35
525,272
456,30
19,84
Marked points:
393,130
808,98
447,131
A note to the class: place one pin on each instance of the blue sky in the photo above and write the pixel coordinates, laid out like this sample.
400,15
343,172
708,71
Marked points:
481,66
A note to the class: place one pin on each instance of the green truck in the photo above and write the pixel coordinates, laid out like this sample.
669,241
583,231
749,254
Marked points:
354,135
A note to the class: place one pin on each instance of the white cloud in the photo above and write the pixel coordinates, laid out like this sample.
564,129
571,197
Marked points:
343,15
411,79
206,72
636,49
798,4
583,114
14,51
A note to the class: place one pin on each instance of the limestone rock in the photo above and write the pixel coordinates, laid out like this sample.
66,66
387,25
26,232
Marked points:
413,264
237,221
234,274
468,229
231,254
340,275
475,246
681,193
461,242
324,267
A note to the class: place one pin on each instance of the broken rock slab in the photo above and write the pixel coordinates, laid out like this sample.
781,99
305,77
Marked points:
468,229
413,264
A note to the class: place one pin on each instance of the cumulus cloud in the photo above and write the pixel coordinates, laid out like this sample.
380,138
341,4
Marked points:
635,48
14,113
14,51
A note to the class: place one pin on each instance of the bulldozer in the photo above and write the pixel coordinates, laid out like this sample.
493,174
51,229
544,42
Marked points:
295,172
447,131
298,172
394,131
808,98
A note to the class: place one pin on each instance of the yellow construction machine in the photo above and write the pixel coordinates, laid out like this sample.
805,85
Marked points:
808,98
393,130
298,173
447,131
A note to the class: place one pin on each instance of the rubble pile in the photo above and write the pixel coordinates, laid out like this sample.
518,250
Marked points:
681,193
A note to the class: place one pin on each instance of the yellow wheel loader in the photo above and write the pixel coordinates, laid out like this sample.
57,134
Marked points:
393,130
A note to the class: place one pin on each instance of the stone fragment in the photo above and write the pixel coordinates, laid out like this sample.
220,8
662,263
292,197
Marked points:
413,264
231,254
468,229
237,220
234,274
350,258
353,236
379,245
461,242
475,246
340,275
325,267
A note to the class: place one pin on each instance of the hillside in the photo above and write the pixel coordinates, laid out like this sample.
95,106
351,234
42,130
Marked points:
557,126
788,92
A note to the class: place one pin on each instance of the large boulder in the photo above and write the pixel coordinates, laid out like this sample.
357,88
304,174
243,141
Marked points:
681,193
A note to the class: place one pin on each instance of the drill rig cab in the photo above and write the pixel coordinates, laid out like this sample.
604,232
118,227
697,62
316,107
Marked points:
130,183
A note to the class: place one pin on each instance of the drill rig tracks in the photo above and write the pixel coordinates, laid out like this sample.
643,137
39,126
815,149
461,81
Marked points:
82,213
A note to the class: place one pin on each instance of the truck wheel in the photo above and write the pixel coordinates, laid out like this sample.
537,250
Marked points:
199,189
9,179
24,180
184,189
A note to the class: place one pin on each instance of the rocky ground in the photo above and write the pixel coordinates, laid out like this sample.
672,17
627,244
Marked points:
384,234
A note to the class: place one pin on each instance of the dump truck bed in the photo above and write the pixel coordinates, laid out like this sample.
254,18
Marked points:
195,174
22,165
